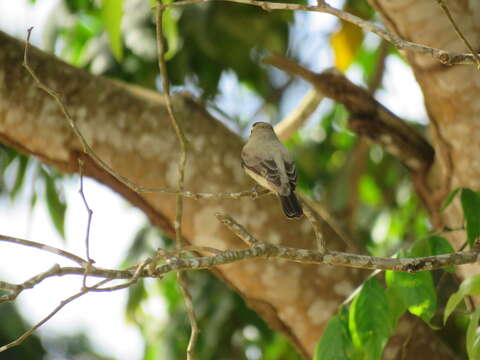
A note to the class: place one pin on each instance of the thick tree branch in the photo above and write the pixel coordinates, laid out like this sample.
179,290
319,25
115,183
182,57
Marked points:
87,149
368,117
287,127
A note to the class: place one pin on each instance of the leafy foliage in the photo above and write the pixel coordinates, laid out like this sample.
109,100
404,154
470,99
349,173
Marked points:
374,312
336,343
473,338
471,209
12,326
416,291
370,320
19,172
199,42
56,205
112,11
469,287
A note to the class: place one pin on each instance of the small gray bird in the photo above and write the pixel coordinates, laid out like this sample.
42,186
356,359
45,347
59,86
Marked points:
269,163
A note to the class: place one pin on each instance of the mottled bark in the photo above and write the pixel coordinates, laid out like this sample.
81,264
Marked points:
451,96
128,127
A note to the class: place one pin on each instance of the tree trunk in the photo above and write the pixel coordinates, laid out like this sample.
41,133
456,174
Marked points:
128,127
451,97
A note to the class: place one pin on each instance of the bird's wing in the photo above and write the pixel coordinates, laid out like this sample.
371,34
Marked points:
292,174
266,168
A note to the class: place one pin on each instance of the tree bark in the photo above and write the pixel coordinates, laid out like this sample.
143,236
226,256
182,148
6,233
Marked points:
128,127
451,97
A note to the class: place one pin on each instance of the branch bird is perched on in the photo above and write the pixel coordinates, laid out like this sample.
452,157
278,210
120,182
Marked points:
269,163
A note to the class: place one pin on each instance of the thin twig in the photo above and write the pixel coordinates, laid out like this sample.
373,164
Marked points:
62,304
345,259
57,97
445,57
15,290
333,223
312,218
258,249
191,316
191,249
175,123
376,79
264,250
44,247
89,211
136,275
457,30
237,229
89,222
181,174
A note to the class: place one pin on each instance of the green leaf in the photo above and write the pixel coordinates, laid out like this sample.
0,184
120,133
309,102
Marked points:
171,292
370,320
439,245
471,210
470,286
335,341
279,348
473,339
396,306
417,292
369,191
170,31
450,198
20,176
56,206
136,294
33,200
112,12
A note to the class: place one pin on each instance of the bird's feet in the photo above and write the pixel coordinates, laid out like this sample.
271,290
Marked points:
255,191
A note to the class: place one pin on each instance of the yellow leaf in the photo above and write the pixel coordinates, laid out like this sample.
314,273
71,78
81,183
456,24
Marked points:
345,43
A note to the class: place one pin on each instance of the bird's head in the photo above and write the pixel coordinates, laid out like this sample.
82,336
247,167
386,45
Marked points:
261,127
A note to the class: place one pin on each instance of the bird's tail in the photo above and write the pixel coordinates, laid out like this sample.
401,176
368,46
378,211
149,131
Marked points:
291,206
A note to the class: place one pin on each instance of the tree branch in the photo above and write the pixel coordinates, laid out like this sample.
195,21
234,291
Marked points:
445,57
287,127
44,247
62,304
89,211
368,117
123,179
444,7
181,177
257,249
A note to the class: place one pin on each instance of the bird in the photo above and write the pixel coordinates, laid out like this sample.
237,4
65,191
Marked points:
268,162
